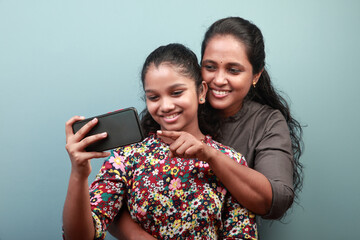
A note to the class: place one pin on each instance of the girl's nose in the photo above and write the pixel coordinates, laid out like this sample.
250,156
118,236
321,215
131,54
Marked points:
167,105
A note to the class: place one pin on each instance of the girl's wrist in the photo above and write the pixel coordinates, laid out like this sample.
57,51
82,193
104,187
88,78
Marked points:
75,176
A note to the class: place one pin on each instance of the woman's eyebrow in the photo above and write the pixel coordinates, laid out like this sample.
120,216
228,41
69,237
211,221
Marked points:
235,64
208,61
230,63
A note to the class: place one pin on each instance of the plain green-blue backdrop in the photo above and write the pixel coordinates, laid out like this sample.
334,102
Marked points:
62,58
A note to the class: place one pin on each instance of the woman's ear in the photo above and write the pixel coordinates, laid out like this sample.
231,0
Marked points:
203,91
256,77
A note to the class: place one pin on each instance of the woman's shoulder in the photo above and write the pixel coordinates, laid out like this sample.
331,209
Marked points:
255,108
265,117
254,113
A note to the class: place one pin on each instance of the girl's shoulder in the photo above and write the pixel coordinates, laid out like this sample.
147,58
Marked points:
149,143
227,150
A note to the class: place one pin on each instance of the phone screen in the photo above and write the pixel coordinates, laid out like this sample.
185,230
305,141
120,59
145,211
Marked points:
122,126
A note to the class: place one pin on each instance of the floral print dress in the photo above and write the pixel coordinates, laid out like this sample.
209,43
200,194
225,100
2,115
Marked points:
171,198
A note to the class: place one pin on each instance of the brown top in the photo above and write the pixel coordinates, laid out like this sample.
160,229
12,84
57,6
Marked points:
261,134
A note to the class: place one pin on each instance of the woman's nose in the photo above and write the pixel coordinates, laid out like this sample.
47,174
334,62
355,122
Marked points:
219,78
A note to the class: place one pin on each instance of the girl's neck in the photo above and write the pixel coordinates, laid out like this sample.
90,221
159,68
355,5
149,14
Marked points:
198,135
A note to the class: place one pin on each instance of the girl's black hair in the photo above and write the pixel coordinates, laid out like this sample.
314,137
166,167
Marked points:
264,92
186,63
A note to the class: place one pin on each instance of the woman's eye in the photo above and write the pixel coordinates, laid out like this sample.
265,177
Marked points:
234,70
209,67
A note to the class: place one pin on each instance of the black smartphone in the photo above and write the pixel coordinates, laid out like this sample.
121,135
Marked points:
122,127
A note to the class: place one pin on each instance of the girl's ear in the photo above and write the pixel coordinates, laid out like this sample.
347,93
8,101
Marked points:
203,91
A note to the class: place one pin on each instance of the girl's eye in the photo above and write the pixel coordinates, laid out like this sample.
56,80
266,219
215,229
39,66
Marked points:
177,92
152,97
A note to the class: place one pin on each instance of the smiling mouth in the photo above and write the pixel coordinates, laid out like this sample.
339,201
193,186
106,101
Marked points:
172,116
220,93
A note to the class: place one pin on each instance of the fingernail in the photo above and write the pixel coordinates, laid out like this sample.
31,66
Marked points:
82,117
159,131
104,134
94,120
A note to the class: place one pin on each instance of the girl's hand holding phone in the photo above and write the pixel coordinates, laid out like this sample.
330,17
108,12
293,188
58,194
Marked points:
76,144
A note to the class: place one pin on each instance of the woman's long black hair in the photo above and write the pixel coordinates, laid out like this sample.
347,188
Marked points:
264,92
186,63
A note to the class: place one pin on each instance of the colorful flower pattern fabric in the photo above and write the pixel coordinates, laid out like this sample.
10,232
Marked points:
171,198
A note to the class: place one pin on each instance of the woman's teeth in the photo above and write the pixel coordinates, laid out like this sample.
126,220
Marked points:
220,92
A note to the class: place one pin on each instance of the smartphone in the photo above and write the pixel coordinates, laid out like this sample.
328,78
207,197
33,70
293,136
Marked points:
122,127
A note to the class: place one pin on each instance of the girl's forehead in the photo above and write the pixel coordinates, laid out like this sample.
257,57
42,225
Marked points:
166,74
165,66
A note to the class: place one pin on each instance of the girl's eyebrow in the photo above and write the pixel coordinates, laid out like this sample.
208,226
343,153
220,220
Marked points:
177,85
171,87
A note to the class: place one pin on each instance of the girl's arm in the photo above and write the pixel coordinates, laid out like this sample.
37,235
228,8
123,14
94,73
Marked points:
125,228
77,218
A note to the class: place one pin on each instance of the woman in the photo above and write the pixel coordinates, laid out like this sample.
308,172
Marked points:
252,118
255,119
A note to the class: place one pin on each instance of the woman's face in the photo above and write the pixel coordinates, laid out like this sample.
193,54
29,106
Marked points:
172,99
227,71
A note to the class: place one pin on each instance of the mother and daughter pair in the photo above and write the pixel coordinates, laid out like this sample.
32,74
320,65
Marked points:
181,182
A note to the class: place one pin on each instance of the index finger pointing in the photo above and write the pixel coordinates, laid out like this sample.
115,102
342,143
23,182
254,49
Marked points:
170,134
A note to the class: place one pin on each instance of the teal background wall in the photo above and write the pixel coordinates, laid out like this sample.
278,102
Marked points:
61,58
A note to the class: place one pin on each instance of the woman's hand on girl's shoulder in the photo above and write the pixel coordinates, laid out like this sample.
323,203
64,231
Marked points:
77,143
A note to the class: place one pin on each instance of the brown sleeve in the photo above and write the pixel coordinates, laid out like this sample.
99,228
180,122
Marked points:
273,158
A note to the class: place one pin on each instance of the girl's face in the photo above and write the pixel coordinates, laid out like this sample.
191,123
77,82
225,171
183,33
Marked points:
172,99
228,73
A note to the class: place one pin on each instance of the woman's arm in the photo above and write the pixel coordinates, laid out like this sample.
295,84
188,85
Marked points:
251,188
273,158
77,218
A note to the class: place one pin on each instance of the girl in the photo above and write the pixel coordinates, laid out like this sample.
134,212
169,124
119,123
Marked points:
172,196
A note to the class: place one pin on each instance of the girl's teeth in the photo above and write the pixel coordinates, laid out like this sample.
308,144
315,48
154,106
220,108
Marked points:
171,116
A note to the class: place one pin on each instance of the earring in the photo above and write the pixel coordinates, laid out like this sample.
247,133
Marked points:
254,84
202,100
